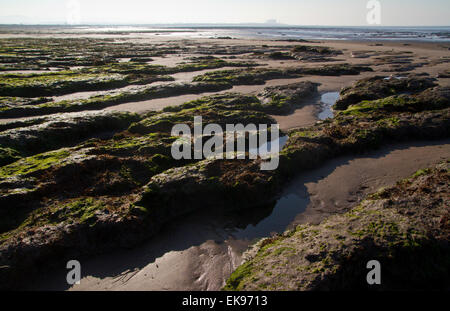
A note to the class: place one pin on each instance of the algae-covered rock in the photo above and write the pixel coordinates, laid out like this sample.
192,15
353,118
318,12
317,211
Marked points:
314,49
64,130
334,70
380,87
405,228
114,98
363,127
35,85
225,101
8,155
431,99
281,56
209,183
260,75
245,77
223,109
279,99
11,102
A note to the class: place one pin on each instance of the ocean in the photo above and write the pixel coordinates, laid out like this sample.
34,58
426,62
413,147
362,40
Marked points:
350,33
434,34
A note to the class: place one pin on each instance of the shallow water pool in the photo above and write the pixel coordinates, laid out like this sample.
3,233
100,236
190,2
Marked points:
327,101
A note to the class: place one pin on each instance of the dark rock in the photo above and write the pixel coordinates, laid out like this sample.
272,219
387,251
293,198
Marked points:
380,87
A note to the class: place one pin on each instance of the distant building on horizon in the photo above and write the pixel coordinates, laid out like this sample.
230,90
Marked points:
272,22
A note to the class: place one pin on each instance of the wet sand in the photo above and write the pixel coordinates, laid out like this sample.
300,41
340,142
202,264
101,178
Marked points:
199,252
301,117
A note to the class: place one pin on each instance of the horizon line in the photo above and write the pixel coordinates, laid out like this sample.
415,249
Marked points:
279,25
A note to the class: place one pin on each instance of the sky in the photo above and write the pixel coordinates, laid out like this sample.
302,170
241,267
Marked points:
292,12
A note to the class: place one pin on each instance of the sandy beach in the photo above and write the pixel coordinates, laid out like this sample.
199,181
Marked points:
98,167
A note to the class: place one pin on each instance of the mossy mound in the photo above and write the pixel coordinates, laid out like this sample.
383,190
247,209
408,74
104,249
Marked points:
335,70
315,50
309,147
43,134
245,77
8,155
57,83
196,64
226,101
103,101
224,184
11,102
431,99
282,99
274,100
228,108
381,87
260,75
281,56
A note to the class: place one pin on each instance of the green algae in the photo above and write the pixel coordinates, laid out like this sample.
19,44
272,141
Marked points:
103,101
260,75
33,164
227,101
313,49
422,172
48,84
222,110
244,77
8,155
80,211
393,103
140,68
236,280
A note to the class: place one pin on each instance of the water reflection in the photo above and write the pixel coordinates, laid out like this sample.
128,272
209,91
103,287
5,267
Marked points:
282,215
327,101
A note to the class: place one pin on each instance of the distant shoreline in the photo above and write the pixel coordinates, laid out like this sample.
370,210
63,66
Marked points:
247,31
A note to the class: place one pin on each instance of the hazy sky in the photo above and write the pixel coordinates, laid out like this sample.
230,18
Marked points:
295,12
